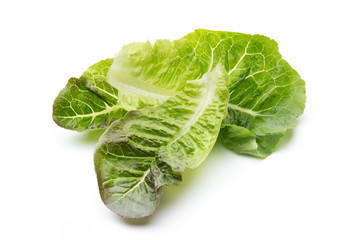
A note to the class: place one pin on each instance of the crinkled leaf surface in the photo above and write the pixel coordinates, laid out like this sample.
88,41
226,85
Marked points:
140,75
88,102
147,75
266,94
150,147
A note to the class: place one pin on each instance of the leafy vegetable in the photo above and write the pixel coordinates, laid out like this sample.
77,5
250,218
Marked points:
88,102
259,116
165,104
150,147
147,75
266,94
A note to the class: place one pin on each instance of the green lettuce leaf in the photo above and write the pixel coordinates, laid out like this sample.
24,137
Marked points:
88,102
140,75
266,94
149,148
260,115
147,75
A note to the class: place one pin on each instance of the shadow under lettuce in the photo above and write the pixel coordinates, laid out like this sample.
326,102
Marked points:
91,137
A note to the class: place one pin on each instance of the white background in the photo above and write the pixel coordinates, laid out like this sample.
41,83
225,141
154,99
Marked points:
307,189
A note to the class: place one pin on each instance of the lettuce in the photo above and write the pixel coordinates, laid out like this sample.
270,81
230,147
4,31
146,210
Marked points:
151,147
164,105
266,94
